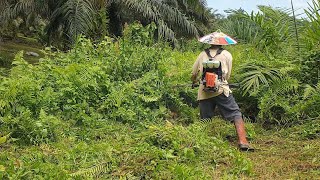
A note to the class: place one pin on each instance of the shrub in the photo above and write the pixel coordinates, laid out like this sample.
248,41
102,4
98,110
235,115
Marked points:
125,81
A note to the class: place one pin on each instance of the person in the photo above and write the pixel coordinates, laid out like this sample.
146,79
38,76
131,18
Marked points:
222,95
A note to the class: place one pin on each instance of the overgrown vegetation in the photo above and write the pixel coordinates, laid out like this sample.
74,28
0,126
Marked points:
112,103
118,108
277,73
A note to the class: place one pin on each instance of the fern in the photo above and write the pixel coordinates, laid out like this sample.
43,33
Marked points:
308,91
93,171
285,85
203,124
149,99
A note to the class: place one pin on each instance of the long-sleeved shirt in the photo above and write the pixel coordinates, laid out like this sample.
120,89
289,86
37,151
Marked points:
226,65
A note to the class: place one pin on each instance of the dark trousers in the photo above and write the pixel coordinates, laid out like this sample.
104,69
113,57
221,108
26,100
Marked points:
227,105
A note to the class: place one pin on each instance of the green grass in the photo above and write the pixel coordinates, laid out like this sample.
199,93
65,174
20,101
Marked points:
114,150
280,156
167,151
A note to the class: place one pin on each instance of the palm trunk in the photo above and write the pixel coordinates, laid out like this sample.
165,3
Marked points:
115,26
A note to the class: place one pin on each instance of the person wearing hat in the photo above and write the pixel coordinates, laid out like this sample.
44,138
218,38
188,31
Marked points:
214,65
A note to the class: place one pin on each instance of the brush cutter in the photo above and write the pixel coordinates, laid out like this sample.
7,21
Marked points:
233,85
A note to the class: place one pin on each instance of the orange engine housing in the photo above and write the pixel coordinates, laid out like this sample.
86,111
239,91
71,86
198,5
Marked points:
210,79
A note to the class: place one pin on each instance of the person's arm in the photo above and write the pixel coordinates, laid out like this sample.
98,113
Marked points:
195,70
194,77
229,64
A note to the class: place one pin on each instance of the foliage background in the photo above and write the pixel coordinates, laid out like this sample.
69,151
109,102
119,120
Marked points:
113,107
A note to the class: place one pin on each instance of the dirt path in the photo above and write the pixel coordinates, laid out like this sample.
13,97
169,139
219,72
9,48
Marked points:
283,158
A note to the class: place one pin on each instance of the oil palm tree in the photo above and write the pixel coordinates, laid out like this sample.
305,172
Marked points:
267,29
312,32
68,18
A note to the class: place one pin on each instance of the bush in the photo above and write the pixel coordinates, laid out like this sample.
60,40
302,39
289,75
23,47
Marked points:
310,68
125,81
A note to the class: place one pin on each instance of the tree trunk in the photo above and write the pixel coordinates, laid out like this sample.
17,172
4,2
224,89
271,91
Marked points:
115,26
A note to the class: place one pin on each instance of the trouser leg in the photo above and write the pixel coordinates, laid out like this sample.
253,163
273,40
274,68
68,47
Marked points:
207,107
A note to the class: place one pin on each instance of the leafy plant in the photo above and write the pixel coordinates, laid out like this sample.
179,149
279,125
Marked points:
310,68
66,19
267,29
93,171
254,76
312,32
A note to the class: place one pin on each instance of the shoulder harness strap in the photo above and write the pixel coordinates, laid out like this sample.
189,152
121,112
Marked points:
219,51
218,71
208,53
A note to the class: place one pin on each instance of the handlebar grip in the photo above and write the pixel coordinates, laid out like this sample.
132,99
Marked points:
194,86
235,85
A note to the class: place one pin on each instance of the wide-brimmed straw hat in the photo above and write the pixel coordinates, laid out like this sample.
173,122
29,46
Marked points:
217,38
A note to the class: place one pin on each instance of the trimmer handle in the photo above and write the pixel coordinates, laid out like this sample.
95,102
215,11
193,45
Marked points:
234,85
194,86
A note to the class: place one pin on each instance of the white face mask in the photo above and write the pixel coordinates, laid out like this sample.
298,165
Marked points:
211,64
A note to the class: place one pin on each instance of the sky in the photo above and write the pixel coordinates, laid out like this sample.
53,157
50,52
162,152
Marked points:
251,5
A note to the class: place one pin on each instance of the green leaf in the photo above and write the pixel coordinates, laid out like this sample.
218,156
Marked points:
4,139
2,168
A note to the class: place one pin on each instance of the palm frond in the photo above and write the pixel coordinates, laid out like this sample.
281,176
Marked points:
243,31
174,16
312,32
77,16
69,18
29,6
165,16
141,6
196,8
165,32
255,76
266,29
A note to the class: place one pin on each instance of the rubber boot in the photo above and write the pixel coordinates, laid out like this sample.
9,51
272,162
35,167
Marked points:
241,132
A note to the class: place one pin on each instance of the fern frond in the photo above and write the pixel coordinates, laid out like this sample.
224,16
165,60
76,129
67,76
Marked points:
308,91
149,99
203,124
93,171
285,85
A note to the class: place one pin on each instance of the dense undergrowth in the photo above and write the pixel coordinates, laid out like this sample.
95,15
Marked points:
104,109
114,109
